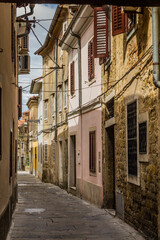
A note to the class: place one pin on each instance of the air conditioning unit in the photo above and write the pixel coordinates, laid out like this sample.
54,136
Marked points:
24,64
128,9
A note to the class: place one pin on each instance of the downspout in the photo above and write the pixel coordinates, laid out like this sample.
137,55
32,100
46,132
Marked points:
79,66
155,39
56,80
80,100
27,14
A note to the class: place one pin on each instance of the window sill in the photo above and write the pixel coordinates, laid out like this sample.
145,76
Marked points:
90,82
92,174
133,179
143,158
72,96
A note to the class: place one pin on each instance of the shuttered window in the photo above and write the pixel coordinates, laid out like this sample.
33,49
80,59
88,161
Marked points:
19,102
118,21
92,151
90,60
72,79
46,110
101,32
46,151
130,22
132,138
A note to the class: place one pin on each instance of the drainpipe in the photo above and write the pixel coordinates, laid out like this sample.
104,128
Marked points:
80,96
56,80
27,14
79,66
155,38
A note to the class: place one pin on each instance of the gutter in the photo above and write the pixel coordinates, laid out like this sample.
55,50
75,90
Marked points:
79,65
56,80
155,39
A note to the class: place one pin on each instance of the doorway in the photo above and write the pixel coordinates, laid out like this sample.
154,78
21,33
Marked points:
60,164
110,169
73,161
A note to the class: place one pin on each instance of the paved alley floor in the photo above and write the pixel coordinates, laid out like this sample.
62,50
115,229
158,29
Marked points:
46,212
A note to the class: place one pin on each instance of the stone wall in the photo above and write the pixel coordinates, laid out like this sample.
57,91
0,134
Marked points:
131,72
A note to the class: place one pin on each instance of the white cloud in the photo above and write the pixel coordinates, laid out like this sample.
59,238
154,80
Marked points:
41,11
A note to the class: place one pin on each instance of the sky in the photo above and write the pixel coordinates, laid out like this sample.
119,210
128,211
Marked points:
41,11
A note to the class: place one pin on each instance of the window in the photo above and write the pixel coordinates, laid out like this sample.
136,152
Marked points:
92,151
25,42
53,105
22,145
118,23
46,110
143,137
46,151
110,108
90,60
72,80
60,99
132,138
19,102
65,93
130,21
64,27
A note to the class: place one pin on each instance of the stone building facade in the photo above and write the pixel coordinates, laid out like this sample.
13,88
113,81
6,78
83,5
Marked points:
8,116
33,134
23,142
55,101
130,123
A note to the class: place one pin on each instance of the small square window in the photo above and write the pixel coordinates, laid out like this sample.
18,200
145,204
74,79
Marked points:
143,138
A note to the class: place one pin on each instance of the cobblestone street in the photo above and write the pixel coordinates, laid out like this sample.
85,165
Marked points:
45,211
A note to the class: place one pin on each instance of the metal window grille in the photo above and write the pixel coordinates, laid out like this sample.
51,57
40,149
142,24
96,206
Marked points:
54,152
46,152
132,138
92,151
143,138
53,104
110,107
46,110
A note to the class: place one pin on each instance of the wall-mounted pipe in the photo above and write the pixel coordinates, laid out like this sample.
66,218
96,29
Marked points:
155,38
79,66
27,14
56,81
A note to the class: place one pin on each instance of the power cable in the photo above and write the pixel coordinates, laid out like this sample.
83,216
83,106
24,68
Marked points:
55,37
42,45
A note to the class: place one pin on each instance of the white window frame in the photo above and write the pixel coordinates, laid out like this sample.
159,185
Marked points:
46,110
46,151
65,25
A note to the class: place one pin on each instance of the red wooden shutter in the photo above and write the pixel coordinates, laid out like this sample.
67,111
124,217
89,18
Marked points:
72,77
118,21
100,32
91,60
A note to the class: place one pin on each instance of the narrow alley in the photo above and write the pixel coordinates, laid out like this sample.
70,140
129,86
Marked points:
45,211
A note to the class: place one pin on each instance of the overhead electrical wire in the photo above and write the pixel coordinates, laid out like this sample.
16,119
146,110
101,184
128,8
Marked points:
55,37
42,45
